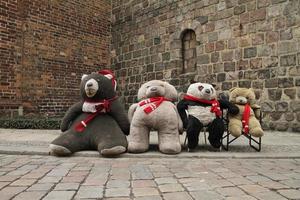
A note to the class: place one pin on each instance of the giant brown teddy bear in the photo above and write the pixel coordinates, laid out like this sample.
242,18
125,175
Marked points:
97,122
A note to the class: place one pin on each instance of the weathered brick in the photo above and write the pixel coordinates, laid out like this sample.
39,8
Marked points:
239,9
285,82
250,52
229,66
275,94
288,60
257,15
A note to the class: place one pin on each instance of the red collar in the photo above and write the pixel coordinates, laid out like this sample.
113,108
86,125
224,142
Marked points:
192,98
215,105
104,105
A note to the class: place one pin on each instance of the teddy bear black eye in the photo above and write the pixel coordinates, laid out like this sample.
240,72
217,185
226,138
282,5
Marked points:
212,91
200,88
147,86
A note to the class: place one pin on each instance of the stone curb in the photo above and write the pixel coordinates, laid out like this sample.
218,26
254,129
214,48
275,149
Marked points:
183,155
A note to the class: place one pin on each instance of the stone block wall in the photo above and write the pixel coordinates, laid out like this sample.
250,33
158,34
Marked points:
244,43
45,48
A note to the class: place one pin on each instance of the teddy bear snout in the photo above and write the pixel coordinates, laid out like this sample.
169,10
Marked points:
241,100
207,91
153,89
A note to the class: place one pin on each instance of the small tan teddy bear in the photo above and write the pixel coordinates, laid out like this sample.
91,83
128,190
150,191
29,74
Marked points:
247,119
156,111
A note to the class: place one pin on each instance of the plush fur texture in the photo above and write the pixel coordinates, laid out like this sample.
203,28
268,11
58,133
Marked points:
105,133
240,97
195,115
164,119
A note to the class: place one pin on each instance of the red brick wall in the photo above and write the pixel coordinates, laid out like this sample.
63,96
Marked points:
45,48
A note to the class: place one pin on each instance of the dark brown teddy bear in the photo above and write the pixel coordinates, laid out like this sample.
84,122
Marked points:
97,122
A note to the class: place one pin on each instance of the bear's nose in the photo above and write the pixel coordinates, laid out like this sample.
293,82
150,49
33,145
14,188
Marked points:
89,84
207,91
153,89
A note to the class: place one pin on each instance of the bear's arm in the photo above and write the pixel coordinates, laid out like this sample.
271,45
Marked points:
118,113
131,111
70,115
232,109
182,106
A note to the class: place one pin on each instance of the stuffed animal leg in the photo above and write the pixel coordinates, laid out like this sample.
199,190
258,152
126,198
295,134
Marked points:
255,127
216,130
193,130
235,127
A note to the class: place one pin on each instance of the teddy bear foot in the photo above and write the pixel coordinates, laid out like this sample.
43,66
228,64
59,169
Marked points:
235,132
57,150
257,132
170,149
114,151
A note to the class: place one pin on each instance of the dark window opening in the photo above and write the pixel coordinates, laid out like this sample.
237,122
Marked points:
189,55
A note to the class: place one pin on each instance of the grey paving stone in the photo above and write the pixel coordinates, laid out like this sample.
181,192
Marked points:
243,197
230,191
206,194
117,192
118,184
3,184
177,196
273,185
165,180
23,182
67,186
240,181
147,191
258,178
293,183
195,186
50,179
9,192
59,195
32,195
86,192
148,198
290,193
271,195
252,189
173,187
41,187
276,176
142,183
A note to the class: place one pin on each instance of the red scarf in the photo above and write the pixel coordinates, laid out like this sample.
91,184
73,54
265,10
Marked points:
245,119
104,106
215,105
153,102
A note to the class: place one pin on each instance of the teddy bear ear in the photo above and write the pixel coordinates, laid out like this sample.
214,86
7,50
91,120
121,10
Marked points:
171,92
83,76
214,85
232,89
192,81
142,92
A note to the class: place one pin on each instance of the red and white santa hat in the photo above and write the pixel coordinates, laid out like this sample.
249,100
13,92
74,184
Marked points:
110,75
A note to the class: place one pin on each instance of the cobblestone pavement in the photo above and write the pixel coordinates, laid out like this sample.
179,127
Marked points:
45,177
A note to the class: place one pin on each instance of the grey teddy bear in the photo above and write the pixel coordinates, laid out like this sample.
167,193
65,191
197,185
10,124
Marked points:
97,122
157,111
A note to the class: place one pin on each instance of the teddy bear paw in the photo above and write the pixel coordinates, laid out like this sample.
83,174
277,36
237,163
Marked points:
59,150
257,132
114,151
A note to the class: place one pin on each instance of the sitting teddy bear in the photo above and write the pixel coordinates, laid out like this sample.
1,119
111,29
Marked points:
246,120
157,111
97,122
199,108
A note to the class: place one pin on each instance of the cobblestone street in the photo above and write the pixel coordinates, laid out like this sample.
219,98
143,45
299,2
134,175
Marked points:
46,177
